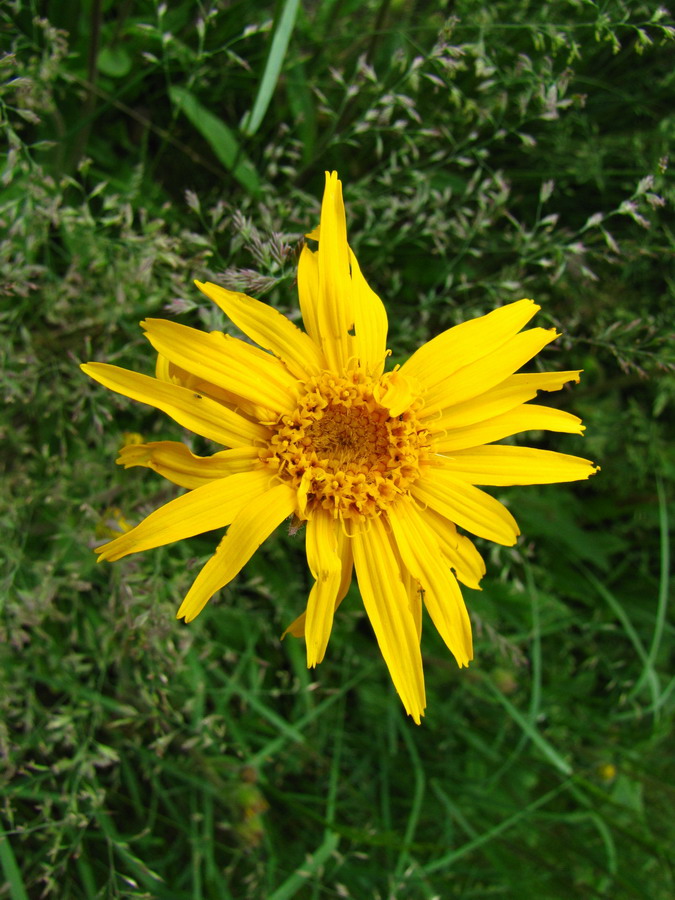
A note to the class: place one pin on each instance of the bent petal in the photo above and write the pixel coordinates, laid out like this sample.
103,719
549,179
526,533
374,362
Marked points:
500,466
325,564
269,329
421,555
528,417
344,550
176,462
199,414
226,362
210,506
396,392
466,506
252,525
386,601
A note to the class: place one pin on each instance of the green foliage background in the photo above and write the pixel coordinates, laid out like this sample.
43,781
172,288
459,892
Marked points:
489,152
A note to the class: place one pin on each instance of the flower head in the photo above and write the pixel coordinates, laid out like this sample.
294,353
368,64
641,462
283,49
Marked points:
382,468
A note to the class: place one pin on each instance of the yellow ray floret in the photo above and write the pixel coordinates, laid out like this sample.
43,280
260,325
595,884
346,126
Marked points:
269,329
383,470
226,362
423,559
465,344
325,564
466,505
190,409
513,391
501,466
334,311
526,417
484,373
344,551
177,463
210,506
386,602
252,524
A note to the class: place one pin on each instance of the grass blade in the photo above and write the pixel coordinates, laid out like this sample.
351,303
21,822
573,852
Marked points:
530,730
417,799
664,579
299,878
220,138
449,858
649,674
275,59
17,890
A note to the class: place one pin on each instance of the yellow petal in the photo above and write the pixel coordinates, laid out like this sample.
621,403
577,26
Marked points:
190,409
308,292
251,526
527,417
502,465
213,505
226,362
464,344
174,461
347,565
163,369
468,564
344,549
297,627
396,392
386,602
485,373
370,322
414,591
335,316
325,565
270,329
543,381
513,391
466,506
168,371
421,555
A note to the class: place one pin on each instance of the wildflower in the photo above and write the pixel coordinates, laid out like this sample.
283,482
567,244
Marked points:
382,467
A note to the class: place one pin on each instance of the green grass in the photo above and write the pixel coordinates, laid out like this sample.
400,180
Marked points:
512,150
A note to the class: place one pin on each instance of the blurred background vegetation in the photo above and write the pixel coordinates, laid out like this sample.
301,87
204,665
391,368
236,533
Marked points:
489,151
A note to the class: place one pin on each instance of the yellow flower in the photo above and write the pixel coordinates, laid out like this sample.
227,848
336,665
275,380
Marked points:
382,468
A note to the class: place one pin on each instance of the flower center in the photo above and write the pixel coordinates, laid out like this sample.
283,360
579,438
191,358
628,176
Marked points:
343,451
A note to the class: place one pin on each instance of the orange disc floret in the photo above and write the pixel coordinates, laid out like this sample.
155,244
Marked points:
343,451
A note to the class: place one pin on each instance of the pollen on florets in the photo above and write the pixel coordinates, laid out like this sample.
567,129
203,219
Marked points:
343,451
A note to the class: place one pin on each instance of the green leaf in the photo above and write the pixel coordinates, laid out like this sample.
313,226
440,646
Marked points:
302,106
114,61
220,138
282,35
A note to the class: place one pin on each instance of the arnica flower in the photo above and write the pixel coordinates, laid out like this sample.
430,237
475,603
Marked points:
381,467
